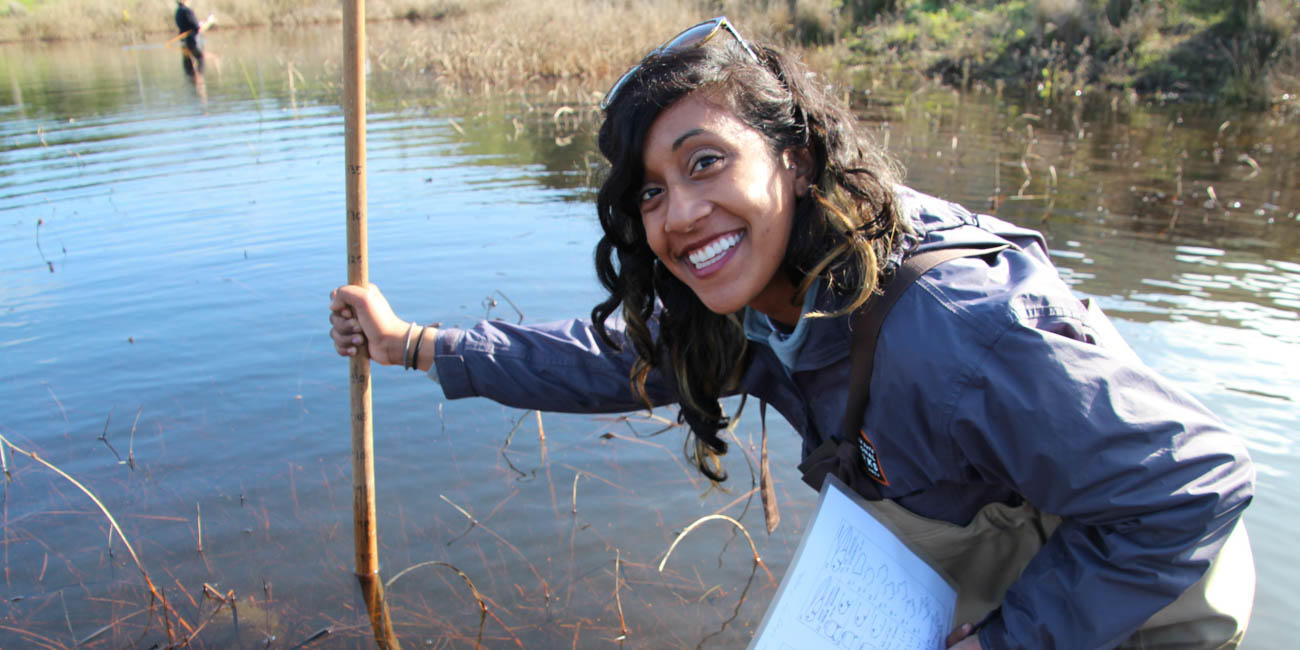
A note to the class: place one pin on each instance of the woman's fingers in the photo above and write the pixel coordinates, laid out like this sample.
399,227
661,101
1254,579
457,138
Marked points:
345,323
345,329
362,316
346,339
346,335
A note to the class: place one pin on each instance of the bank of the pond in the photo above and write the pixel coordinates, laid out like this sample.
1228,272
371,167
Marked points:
1241,52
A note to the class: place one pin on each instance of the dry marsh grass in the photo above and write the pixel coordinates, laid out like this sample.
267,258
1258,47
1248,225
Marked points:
578,45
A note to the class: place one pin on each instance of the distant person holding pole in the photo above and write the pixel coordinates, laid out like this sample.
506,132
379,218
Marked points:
756,241
190,32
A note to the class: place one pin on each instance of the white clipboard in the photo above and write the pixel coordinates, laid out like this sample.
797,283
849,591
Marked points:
852,583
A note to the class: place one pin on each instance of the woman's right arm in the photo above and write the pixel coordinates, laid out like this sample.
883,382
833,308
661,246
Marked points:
559,366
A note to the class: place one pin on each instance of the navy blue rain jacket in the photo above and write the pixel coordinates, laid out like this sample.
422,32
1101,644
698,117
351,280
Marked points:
992,383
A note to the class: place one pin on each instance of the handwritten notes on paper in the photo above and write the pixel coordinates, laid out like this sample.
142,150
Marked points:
852,584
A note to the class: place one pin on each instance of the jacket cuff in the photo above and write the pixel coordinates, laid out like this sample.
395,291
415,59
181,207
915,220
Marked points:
449,368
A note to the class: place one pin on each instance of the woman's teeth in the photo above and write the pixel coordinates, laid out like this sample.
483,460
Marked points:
710,254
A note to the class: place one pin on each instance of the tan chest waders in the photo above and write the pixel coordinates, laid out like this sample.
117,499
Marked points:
983,558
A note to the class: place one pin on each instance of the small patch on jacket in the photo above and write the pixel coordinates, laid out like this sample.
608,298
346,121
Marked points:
870,459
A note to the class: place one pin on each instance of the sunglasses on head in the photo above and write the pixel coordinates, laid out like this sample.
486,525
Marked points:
691,37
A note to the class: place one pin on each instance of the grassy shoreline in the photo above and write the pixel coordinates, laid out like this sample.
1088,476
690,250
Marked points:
1244,52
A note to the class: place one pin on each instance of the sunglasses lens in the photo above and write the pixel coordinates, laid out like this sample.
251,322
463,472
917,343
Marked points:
618,85
692,37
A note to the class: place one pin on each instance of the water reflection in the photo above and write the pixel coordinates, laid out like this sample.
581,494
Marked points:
190,249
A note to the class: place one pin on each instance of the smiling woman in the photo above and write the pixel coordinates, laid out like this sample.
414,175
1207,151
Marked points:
717,207
755,242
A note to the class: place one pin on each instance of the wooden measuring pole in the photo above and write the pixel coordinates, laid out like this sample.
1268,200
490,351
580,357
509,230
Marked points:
365,537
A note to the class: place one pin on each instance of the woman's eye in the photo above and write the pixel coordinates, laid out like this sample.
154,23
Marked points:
649,193
704,161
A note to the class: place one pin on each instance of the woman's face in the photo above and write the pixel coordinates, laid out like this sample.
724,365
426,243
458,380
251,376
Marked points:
718,205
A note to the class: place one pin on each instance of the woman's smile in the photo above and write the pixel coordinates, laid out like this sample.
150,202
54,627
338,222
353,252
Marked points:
709,257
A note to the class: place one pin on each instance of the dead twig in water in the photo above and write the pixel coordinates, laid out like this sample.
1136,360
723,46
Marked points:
477,596
54,397
509,437
317,635
66,618
771,514
490,303
484,612
130,448
112,522
512,305
229,599
474,522
115,623
103,437
544,462
39,223
735,612
51,643
617,598
705,518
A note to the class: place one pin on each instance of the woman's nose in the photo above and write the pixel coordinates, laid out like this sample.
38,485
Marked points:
685,210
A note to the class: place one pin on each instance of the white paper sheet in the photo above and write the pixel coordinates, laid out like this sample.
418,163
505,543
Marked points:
853,585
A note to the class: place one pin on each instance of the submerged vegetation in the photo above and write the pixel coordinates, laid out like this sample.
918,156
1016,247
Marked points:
1238,51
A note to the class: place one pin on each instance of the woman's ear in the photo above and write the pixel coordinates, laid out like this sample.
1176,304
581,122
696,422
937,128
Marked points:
800,161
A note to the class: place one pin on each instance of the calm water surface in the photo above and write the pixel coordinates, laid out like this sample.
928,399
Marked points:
165,259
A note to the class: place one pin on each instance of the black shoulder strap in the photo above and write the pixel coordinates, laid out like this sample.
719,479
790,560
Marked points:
868,320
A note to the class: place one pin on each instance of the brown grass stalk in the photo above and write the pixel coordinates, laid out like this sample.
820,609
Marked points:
576,476
118,529
130,445
222,601
701,520
4,464
771,512
115,622
477,596
618,599
545,460
475,522
36,638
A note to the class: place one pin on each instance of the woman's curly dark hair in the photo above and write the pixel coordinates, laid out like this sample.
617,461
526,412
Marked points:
842,232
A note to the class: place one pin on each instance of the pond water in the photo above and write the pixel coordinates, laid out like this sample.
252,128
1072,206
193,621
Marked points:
166,252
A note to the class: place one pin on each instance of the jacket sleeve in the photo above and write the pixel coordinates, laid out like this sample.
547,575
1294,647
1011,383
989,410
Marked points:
1148,482
560,366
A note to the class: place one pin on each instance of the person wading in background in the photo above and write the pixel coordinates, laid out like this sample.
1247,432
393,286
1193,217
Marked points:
187,24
